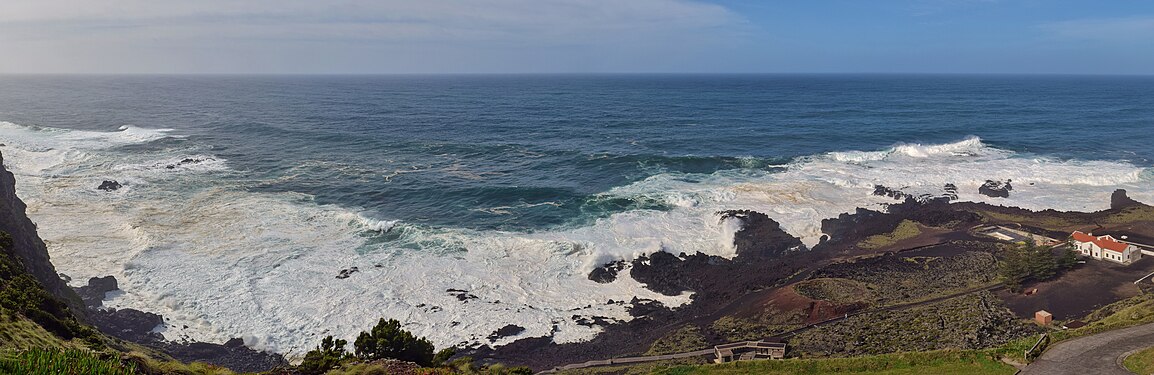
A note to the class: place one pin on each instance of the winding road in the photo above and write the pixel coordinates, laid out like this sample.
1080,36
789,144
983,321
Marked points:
1095,354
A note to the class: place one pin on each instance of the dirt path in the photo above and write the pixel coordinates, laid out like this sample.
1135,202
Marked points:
1095,354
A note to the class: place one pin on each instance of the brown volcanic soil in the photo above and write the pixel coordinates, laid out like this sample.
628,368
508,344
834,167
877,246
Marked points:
1080,291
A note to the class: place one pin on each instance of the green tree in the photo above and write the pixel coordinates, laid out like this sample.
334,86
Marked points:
324,358
1068,259
443,356
388,340
1026,262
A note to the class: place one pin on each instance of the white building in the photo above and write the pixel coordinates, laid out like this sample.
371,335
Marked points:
1105,247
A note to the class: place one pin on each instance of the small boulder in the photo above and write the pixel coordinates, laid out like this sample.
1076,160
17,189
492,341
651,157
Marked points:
996,189
506,331
109,185
345,273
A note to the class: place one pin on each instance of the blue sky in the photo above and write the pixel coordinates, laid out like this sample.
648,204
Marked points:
577,36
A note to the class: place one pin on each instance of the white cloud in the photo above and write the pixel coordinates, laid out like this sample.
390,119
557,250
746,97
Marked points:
163,35
562,20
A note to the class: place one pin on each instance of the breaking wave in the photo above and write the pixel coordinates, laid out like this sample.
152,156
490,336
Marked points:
195,244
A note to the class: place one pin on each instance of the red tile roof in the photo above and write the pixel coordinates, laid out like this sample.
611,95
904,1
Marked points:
1104,242
1108,243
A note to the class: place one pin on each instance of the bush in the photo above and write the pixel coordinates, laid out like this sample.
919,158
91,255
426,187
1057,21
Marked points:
388,340
325,357
21,294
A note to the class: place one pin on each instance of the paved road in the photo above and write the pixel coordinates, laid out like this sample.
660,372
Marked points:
1095,354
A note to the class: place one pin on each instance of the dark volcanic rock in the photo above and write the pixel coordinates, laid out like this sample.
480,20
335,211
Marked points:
345,273
137,326
1120,200
233,355
607,273
461,294
93,294
128,324
996,189
109,185
760,236
506,331
590,321
951,192
883,191
644,307
664,273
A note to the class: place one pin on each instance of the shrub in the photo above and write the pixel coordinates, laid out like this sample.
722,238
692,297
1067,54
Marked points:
388,340
325,357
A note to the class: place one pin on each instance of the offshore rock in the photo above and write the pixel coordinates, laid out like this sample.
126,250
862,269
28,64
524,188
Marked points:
109,185
506,331
996,189
884,191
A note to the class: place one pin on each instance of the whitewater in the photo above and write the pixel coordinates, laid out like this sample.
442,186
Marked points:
189,237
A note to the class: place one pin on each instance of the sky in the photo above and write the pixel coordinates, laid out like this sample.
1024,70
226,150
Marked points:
576,36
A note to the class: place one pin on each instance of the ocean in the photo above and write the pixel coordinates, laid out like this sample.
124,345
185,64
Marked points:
467,203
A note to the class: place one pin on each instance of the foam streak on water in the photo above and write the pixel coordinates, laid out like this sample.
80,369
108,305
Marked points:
193,244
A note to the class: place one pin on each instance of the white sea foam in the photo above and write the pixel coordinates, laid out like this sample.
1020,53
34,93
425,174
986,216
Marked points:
225,262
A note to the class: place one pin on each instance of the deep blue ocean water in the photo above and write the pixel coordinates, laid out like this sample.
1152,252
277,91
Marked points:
514,142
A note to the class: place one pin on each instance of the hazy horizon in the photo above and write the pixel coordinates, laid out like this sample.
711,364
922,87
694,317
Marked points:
439,37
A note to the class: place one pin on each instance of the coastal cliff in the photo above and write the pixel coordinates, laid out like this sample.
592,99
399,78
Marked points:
27,245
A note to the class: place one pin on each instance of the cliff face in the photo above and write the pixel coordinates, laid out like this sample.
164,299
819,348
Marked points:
27,245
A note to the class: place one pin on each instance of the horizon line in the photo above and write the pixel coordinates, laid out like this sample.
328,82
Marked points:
412,74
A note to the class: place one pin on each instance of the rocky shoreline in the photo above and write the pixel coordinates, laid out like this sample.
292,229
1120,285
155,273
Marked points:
139,327
771,270
769,259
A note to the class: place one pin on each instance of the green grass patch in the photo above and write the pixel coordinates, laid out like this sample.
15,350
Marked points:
62,361
684,339
835,290
1131,215
947,362
1036,219
905,230
1141,362
1125,313
18,333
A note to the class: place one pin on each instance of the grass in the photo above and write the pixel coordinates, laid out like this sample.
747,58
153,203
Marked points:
1042,221
1141,362
684,339
17,332
62,361
946,362
835,290
1131,215
1125,313
905,230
